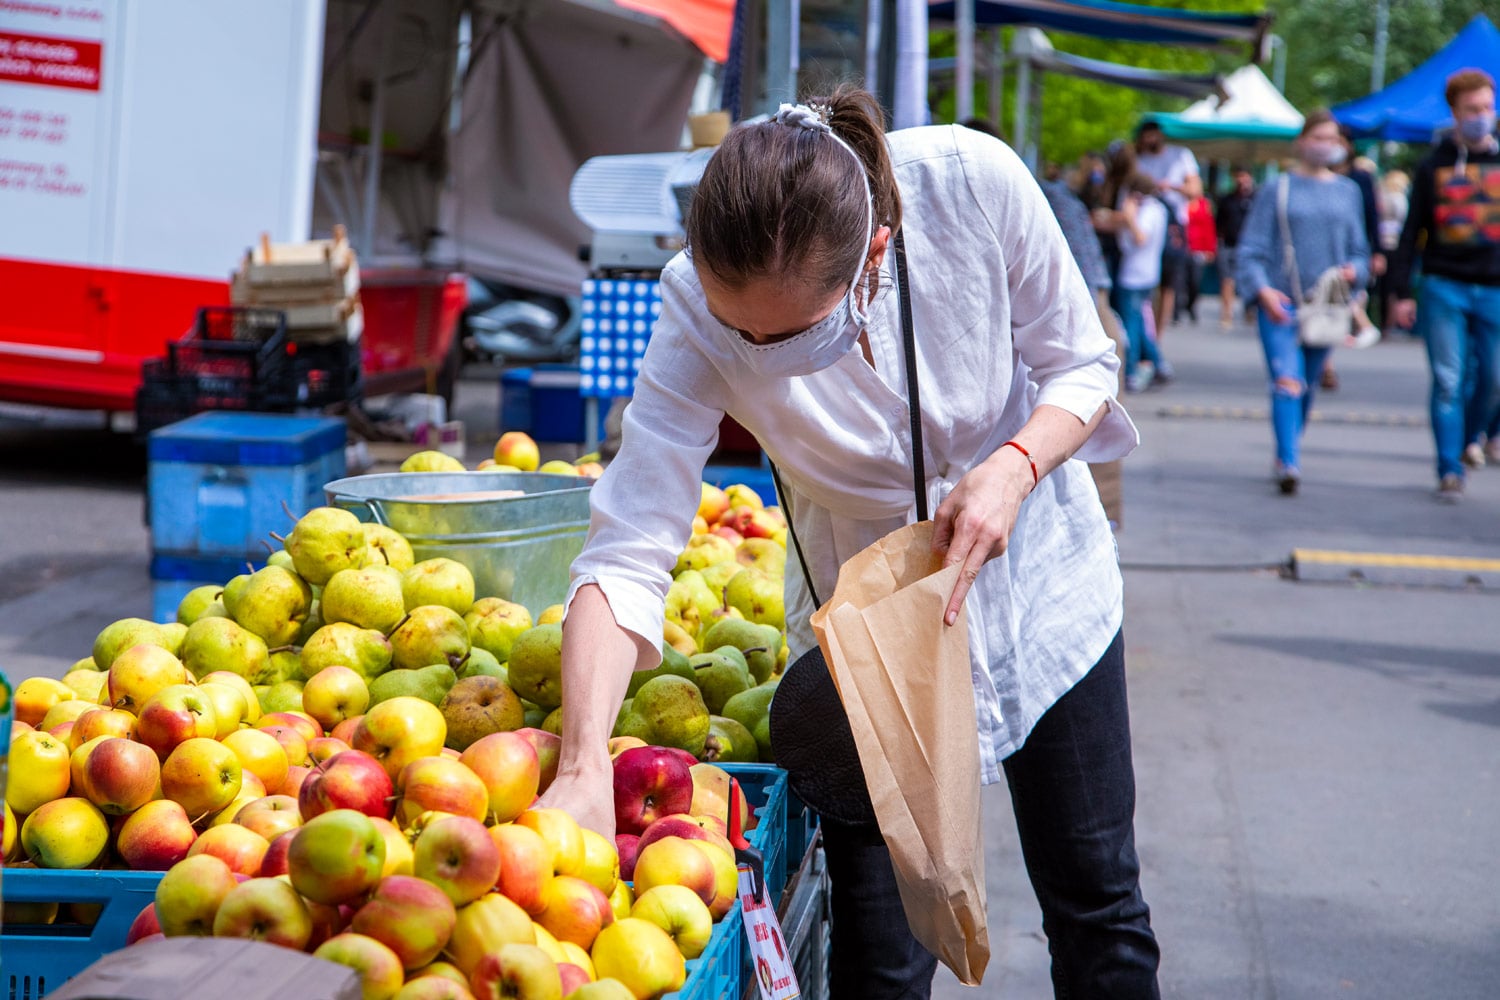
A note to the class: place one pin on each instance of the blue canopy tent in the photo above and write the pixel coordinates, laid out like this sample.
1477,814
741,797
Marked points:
1413,108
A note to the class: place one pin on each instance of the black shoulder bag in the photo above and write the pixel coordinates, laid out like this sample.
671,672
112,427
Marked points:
810,733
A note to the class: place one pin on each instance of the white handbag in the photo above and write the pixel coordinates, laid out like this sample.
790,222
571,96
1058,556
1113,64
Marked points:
1323,317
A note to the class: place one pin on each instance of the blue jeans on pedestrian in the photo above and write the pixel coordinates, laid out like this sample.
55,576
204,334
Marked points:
1294,371
1461,321
1481,415
1072,786
1139,346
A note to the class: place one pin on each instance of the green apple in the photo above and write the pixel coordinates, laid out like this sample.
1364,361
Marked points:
336,857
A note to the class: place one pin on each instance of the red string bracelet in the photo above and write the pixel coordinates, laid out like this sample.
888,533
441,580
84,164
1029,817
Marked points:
1035,478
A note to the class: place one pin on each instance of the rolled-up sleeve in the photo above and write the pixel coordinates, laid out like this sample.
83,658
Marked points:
1054,321
642,507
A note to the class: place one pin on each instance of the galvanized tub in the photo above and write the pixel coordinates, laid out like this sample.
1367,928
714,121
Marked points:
518,547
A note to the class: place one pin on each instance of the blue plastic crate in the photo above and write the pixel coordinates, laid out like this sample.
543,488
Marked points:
723,970
618,315
217,482
172,576
38,959
544,401
757,477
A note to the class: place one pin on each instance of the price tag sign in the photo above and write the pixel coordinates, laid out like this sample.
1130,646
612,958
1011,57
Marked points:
769,956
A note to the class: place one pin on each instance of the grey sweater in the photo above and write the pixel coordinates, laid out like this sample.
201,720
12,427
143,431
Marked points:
1328,229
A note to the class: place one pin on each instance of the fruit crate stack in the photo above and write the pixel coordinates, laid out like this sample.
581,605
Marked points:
315,286
218,484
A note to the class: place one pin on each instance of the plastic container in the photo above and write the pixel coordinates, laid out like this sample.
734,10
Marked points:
723,971
172,576
545,402
757,477
242,350
40,958
217,482
519,548
327,373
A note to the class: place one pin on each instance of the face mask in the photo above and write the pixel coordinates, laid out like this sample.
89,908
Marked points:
821,345
1475,130
1323,154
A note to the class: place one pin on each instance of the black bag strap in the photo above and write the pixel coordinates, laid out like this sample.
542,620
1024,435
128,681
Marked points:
914,404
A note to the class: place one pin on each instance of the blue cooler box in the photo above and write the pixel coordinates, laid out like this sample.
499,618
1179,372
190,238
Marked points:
544,401
217,482
173,576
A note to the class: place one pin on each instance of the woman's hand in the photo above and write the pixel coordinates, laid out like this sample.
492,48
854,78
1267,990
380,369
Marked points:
974,523
1348,273
1275,304
586,792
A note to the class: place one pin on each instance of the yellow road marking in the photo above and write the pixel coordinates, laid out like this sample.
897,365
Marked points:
1391,559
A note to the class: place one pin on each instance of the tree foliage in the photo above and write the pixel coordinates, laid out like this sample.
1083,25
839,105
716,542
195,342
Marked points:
1329,46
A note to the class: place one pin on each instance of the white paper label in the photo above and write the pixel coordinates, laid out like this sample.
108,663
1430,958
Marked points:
768,951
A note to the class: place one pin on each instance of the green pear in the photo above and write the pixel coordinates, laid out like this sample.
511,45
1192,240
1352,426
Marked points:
729,743
324,541
553,722
443,582
534,717
223,644
672,662
482,663
273,603
752,709
720,675
282,558
758,597
172,635
718,576
632,724
475,707
284,696
311,623
286,665
116,637
536,666
386,547
431,634
87,663
494,624
759,643
369,598
363,650
674,714
430,683
690,602
201,602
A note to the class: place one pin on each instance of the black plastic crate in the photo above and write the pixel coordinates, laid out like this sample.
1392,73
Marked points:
325,374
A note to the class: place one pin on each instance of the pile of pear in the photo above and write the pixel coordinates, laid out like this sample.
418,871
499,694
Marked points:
724,645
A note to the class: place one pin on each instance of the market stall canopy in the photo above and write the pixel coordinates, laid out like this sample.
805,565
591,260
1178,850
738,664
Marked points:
548,84
706,22
1253,123
1413,108
1119,21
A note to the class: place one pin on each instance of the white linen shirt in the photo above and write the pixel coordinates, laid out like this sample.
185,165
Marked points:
1003,322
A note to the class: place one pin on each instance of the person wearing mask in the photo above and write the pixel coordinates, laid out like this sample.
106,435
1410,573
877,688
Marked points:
1140,226
1350,166
1324,222
777,314
1394,188
1203,240
1178,180
1234,206
1091,179
1119,158
1455,221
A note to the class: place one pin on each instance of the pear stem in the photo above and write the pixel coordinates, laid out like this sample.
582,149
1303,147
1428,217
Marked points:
288,648
397,627
288,509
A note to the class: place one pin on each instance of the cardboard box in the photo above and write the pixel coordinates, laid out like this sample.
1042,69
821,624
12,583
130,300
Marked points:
194,968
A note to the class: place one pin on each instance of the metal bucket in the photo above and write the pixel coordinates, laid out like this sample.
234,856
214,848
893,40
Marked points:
518,548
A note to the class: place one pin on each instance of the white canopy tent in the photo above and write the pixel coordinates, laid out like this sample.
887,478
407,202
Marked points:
1255,123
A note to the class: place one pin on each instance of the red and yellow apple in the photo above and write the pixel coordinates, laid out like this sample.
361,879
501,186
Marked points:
508,766
156,836
411,916
336,857
458,856
265,909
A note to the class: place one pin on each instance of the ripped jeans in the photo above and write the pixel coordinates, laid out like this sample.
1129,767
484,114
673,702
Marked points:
1294,371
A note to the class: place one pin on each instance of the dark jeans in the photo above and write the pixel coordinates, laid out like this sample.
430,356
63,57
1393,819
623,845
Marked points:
1073,790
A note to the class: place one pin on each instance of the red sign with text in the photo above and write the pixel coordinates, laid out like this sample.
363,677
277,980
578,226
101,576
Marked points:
50,62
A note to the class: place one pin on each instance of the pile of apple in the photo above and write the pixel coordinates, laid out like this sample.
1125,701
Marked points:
514,452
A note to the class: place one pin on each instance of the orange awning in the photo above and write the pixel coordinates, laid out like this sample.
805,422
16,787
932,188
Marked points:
706,23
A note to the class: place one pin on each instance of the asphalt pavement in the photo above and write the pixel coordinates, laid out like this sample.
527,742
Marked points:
1316,751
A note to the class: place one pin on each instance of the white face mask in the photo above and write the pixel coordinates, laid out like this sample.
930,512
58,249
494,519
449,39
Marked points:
824,343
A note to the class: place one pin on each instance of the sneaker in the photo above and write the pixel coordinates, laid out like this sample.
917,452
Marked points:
1139,381
1451,488
1330,379
1492,451
1474,456
1287,479
1162,378
1369,336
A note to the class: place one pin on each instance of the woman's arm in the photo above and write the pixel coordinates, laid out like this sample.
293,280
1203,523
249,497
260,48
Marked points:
1260,255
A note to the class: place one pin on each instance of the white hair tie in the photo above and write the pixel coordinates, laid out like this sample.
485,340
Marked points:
802,116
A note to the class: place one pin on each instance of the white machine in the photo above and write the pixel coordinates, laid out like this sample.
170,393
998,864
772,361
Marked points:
636,206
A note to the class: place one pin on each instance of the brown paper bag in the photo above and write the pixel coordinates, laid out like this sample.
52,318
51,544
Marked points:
903,677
